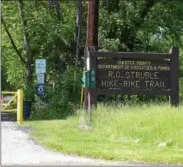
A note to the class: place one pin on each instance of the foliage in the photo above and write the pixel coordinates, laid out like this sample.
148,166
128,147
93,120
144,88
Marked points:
61,101
50,38
15,71
28,93
151,26
133,100
135,26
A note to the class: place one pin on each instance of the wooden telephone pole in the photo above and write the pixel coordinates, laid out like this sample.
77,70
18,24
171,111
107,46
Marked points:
92,38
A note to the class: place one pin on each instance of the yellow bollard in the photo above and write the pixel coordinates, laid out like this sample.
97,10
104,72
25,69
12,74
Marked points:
19,106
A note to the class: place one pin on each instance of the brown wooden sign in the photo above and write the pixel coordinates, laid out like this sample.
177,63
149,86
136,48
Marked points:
134,74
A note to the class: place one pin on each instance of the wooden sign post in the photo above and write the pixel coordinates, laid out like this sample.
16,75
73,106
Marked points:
133,73
174,97
91,40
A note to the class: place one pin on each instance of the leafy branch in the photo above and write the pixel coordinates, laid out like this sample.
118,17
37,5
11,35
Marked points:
131,33
12,41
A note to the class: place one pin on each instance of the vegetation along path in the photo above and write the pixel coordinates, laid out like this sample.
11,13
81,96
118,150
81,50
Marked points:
19,149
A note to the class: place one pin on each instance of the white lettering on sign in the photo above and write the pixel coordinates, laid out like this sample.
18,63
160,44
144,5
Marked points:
40,66
40,78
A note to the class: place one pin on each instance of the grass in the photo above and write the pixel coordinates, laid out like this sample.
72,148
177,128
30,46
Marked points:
149,134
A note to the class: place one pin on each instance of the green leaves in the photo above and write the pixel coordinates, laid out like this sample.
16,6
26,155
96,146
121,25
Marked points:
137,25
123,26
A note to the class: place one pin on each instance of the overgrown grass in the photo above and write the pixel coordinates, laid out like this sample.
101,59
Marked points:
150,134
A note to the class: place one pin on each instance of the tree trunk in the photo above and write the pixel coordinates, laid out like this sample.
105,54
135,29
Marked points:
55,4
78,30
29,78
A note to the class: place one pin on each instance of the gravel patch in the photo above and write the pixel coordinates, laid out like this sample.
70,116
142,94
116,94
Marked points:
18,148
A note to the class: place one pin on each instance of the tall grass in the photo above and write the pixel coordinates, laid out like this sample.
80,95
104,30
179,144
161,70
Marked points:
147,133
148,124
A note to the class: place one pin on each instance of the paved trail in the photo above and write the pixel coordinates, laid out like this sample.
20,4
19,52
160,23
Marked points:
19,149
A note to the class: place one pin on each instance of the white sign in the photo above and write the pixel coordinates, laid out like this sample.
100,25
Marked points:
40,66
40,78
88,63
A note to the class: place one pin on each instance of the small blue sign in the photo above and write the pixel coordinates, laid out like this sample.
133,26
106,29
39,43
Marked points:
40,89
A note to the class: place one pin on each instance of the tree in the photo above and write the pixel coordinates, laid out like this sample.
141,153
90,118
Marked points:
44,35
135,26
47,29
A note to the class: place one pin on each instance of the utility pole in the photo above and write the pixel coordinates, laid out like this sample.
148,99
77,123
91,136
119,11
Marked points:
91,39
92,23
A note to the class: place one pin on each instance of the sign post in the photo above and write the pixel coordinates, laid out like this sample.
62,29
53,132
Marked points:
41,73
174,97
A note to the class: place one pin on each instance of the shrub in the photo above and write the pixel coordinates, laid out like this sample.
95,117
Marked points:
60,102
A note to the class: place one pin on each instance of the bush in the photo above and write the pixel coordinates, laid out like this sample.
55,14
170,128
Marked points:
132,99
60,102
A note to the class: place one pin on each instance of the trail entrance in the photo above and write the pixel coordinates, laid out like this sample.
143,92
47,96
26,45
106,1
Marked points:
8,101
12,105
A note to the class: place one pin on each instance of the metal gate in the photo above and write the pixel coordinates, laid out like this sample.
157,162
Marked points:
13,101
9,101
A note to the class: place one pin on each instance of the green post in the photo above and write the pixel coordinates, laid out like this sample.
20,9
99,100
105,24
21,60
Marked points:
85,79
93,81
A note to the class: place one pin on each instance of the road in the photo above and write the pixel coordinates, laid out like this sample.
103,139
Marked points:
18,148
